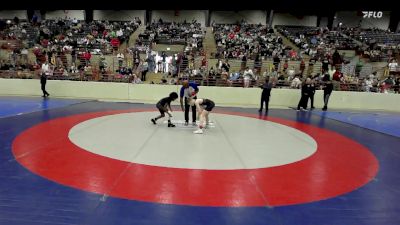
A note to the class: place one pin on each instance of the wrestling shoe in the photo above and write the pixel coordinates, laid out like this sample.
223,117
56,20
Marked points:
199,131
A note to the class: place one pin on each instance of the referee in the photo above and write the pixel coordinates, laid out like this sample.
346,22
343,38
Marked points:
188,89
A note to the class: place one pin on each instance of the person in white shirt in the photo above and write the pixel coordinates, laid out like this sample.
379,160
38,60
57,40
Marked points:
65,73
136,79
43,78
265,74
372,76
296,83
120,58
120,33
24,54
291,71
248,75
393,66
46,68
368,84
73,68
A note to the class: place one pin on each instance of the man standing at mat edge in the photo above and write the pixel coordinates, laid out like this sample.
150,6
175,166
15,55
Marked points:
266,93
43,78
188,90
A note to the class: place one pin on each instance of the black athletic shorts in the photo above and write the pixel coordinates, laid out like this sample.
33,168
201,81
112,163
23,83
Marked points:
210,105
162,109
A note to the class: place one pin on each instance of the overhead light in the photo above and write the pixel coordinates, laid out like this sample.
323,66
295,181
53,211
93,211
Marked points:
168,49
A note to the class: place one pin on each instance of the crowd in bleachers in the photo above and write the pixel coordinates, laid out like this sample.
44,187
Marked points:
247,41
99,37
68,45
379,45
190,34
315,41
375,37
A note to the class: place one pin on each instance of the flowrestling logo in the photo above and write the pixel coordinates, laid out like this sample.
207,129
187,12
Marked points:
372,14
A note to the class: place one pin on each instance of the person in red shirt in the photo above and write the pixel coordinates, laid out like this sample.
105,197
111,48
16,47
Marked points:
115,43
302,66
204,62
45,43
87,56
285,66
337,76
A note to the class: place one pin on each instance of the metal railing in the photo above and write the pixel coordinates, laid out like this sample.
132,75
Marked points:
217,80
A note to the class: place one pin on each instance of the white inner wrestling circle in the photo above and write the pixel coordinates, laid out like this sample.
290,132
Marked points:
232,142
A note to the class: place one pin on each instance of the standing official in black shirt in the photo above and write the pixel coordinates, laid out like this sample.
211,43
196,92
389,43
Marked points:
312,93
266,93
43,81
328,88
305,94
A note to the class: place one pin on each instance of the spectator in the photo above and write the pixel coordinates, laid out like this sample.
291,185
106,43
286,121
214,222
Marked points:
296,83
73,68
120,57
337,76
285,66
397,86
359,67
302,67
336,58
136,79
226,66
144,70
368,84
87,56
325,65
24,55
244,62
393,66
276,62
248,76
257,65
233,77
102,64
115,43
311,63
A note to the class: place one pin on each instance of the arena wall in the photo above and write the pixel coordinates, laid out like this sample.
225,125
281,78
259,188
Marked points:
231,17
10,14
288,19
223,96
63,14
118,15
180,16
354,19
